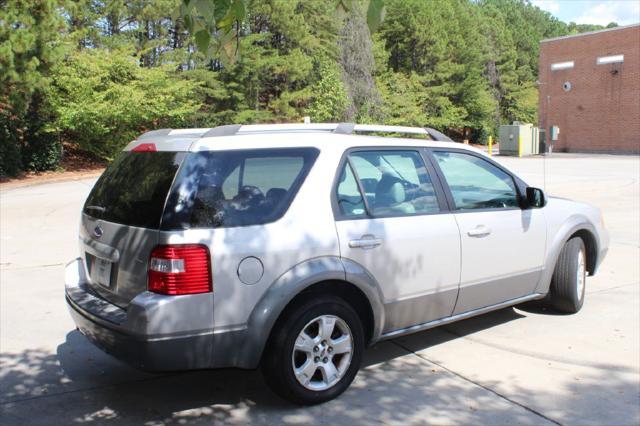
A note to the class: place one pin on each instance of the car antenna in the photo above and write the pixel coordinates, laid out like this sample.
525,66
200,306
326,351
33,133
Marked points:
544,170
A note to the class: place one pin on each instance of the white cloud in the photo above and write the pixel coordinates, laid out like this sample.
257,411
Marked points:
623,12
551,6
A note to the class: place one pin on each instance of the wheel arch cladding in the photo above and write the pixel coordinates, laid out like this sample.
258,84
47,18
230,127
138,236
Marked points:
325,275
591,246
345,291
575,226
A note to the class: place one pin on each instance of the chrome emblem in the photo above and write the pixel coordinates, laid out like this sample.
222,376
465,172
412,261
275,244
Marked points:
97,231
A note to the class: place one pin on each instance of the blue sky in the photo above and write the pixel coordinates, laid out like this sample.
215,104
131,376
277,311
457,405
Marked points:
600,12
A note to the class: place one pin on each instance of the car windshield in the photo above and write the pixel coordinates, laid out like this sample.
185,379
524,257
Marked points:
133,189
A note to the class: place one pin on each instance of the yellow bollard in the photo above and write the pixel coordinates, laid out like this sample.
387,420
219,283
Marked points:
490,146
519,146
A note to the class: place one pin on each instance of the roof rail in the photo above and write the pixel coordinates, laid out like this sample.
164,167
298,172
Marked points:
438,136
345,128
226,130
288,127
434,134
341,128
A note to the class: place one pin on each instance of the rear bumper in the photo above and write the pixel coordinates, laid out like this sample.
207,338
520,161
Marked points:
155,332
178,353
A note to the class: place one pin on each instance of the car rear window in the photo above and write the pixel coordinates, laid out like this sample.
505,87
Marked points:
133,189
236,188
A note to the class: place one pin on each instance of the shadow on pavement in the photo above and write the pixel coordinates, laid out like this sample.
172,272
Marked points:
80,384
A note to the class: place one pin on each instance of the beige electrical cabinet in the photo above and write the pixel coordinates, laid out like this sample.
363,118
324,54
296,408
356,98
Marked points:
519,139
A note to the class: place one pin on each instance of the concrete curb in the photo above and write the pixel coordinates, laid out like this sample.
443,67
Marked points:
64,177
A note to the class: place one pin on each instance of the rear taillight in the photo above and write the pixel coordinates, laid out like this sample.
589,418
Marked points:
180,269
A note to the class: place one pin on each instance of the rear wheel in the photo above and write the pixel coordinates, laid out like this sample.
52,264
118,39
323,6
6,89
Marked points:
569,278
315,351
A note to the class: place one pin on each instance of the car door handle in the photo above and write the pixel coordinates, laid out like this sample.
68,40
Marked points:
479,232
365,242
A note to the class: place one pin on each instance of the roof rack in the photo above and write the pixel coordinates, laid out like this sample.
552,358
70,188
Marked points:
342,128
226,130
372,128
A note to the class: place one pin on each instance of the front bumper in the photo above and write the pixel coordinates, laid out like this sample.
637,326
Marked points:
154,332
603,248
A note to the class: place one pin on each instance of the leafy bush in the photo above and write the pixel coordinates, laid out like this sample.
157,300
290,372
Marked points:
43,152
10,161
104,99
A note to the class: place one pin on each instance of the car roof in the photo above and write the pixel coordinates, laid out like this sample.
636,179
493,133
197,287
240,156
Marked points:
320,135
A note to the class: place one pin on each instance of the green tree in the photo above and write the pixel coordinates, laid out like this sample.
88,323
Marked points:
439,47
97,72
104,99
215,24
282,43
358,65
329,101
30,45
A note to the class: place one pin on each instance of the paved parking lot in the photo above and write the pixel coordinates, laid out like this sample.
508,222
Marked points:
513,366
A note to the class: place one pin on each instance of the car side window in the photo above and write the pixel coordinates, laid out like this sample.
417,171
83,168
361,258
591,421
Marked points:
395,183
216,189
476,183
271,172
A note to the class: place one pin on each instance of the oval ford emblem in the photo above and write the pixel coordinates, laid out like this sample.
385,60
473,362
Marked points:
97,231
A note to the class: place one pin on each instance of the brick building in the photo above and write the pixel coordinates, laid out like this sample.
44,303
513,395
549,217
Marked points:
589,87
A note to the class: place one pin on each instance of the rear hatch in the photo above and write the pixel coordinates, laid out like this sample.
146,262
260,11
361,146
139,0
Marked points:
121,221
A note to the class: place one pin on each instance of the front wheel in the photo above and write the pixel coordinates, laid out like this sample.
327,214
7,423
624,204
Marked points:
315,351
569,278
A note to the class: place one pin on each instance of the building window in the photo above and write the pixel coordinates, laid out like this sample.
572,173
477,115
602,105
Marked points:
613,59
561,66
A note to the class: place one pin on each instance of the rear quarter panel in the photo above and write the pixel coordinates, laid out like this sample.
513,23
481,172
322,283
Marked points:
306,231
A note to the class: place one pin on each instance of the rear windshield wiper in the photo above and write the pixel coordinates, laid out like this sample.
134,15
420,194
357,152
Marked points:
98,208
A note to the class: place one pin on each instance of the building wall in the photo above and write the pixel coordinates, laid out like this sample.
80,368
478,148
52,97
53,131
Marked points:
601,112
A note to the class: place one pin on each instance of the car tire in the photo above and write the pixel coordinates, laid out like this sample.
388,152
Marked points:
569,278
311,372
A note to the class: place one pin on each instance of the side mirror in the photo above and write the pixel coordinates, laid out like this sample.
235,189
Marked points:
536,198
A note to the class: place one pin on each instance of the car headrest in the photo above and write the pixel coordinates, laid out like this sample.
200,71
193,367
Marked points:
248,196
208,179
210,192
389,190
396,193
276,194
249,190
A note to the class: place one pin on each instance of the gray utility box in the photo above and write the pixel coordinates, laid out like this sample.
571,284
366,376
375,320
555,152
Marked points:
511,135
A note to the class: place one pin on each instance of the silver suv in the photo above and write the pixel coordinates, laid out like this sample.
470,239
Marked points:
292,247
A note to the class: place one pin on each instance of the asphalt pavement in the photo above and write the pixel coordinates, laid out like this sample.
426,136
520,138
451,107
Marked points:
513,366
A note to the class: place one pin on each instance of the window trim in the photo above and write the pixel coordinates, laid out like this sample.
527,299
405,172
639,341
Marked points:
354,173
344,160
518,184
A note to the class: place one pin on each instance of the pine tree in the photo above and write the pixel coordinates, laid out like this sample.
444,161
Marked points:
358,66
